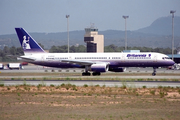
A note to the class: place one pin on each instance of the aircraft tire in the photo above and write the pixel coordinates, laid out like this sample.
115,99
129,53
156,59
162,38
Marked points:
153,74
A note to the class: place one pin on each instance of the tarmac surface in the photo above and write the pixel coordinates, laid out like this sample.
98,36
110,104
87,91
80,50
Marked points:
137,84
168,74
171,74
35,68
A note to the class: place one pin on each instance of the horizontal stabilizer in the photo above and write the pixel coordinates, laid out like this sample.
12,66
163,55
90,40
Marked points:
27,58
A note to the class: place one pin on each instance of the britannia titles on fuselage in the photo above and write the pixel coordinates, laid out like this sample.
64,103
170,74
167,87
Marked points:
138,56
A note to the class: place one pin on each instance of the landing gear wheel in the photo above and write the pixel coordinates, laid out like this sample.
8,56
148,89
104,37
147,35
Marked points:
154,71
153,74
86,74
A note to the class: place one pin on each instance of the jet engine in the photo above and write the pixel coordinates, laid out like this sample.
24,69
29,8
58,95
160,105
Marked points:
102,67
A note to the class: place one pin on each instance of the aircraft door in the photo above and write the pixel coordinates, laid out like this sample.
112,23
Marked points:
43,58
155,58
70,58
123,57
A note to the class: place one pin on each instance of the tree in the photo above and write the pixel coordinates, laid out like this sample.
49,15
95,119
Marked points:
19,51
42,46
81,48
6,50
53,49
73,49
12,50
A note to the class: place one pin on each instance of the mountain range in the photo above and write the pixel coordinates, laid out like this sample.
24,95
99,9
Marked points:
158,34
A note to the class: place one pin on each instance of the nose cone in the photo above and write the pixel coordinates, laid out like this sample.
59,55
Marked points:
172,62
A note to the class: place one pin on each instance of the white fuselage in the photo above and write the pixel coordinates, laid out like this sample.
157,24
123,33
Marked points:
66,60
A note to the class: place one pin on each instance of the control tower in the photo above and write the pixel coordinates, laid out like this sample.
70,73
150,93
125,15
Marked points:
95,42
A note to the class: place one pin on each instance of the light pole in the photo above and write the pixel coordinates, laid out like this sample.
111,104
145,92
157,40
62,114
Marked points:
125,17
172,12
67,16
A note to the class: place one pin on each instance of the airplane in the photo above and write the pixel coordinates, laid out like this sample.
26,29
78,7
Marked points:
96,63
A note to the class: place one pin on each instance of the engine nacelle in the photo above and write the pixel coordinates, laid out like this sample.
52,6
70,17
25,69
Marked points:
99,67
122,69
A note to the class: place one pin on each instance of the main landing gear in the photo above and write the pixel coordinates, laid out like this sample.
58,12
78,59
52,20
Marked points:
88,73
154,71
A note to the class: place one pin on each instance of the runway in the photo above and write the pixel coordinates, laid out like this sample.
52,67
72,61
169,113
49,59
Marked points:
130,73
41,69
68,74
137,84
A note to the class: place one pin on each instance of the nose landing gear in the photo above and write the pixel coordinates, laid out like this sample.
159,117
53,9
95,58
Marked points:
154,71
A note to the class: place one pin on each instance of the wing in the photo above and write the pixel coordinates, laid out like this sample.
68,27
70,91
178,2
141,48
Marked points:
79,62
86,63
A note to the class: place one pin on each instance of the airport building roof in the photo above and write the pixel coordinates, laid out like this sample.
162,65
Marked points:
175,55
134,51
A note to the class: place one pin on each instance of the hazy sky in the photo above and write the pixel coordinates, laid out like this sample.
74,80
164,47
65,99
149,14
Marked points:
49,15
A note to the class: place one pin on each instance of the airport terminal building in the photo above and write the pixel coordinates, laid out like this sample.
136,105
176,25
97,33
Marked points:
176,57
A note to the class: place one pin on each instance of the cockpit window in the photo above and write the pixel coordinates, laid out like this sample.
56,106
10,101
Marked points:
165,58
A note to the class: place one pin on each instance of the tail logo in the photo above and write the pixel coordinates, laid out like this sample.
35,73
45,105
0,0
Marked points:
25,43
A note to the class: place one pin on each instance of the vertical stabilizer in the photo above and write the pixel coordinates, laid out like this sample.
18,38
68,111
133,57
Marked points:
29,45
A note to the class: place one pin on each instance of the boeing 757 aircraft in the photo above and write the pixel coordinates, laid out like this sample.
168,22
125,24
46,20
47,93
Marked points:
95,62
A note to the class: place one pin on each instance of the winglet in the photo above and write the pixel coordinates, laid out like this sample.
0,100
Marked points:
29,45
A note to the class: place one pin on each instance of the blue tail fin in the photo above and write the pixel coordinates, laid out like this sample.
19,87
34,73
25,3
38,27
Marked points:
28,44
